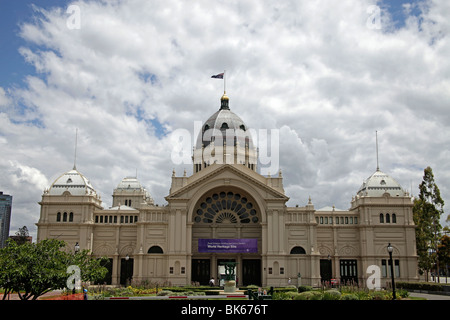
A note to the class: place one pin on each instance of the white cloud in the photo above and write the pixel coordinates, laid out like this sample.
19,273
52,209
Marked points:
311,69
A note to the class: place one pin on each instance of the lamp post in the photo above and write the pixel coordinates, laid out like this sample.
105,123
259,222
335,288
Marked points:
127,257
76,249
390,249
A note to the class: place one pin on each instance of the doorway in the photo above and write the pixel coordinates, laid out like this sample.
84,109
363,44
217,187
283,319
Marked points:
251,272
325,270
201,271
126,271
349,271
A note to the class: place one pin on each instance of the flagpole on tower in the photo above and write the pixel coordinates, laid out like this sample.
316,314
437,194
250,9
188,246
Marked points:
224,81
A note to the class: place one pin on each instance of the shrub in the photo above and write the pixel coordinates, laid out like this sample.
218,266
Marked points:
331,295
403,293
308,295
349,296
379,295
304,288
428,286
164,293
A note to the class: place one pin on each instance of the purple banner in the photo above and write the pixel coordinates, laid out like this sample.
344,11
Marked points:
228,245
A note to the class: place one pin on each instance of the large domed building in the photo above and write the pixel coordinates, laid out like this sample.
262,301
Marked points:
228,212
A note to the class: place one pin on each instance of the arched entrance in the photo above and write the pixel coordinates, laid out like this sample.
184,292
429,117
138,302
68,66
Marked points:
226,228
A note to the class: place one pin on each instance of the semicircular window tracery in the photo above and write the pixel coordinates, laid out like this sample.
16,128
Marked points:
226,207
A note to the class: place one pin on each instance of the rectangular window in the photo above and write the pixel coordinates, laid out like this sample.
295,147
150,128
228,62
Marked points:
331,220
171,270
397,268
115,219
121,219
270,270
383,268
342,220
183,270
281,270
356,220
101,219
326,220
346,220
351,220
96,219
337,220
386,268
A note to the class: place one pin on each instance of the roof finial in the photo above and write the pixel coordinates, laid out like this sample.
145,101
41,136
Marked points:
376,141
75,156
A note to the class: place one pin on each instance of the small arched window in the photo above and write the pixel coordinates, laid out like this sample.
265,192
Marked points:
388,218
65,217
298,250
71,217
394,218
381,218
155,249
58,217
224,126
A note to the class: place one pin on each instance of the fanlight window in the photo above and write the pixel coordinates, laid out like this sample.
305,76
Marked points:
298,250
155,249
226,207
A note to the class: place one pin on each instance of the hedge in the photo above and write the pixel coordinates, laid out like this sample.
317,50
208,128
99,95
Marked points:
425,286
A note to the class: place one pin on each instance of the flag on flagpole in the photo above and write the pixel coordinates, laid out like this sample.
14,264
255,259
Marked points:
218,76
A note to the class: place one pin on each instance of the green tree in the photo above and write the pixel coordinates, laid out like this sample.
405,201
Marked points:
22,235
427,210
444,252
32,269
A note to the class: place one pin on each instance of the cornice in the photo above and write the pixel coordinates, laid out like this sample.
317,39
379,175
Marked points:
222,168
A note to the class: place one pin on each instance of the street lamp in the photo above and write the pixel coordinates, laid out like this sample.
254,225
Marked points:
390,249
127,257
76,248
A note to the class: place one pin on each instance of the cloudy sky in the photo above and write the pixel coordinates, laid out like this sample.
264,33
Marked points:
127,74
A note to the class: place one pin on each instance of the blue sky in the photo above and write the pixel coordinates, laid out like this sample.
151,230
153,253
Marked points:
12,14
15,12
138,70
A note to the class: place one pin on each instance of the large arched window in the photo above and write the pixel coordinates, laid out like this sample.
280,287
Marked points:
155,249
298,250
226,207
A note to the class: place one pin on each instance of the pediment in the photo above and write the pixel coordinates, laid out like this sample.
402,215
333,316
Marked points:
228,175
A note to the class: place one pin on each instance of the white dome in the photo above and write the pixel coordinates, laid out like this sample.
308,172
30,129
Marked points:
72,181
131,185
380,183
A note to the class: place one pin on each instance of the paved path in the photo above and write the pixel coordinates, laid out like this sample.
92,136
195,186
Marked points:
429,296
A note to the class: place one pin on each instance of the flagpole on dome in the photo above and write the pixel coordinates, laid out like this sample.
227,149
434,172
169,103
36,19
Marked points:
225,81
